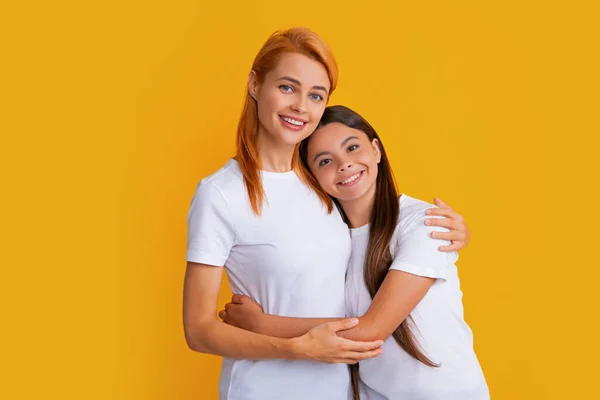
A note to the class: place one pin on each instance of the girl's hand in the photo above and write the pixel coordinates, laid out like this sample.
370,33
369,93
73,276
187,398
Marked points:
459,234
242,312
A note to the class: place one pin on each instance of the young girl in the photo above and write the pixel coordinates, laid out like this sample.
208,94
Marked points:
260,218
406,291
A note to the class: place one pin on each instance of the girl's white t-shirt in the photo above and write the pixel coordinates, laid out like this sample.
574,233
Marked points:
439,324
292,260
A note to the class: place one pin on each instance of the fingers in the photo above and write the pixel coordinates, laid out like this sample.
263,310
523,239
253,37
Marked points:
342,324
239,298
223,314
452,236
438,202
445,223
354,357
455,246
360,347
444,212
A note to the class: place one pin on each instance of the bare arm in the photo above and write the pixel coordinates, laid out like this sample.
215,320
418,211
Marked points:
398,295
243,312
205,333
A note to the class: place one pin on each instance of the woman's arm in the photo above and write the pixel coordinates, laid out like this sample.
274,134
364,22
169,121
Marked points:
206,334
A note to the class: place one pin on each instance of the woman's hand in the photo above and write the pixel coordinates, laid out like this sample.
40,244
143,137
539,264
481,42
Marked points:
324,345
459,234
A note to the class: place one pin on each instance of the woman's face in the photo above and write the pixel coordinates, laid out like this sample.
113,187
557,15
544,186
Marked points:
344,161
291,99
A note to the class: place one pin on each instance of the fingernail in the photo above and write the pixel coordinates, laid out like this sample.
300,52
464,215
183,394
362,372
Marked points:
427,222
354,321
428,212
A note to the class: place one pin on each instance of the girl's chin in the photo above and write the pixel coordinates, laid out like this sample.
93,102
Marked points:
349,194
346,197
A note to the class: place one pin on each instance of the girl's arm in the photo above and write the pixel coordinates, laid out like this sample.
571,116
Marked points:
397,297
206,334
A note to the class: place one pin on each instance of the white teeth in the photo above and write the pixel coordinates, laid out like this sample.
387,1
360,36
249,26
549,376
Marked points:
351,179
292,121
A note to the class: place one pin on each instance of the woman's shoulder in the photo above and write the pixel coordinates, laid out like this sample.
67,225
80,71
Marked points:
227,178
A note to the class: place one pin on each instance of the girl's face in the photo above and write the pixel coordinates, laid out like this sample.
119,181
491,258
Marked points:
344,161
291,100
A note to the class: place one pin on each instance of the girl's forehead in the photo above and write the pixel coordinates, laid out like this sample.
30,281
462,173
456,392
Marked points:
335,133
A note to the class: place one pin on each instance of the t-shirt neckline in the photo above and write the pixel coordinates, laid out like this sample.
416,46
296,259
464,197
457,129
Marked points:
268,174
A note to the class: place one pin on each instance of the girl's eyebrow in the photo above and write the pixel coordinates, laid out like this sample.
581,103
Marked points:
349,138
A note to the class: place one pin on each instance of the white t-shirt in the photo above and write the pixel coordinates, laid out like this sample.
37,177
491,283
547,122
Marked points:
292,260
440,327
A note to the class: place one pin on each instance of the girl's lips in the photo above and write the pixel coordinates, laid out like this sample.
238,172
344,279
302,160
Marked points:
354,182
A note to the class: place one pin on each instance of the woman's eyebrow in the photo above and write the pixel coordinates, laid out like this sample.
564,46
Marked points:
297,82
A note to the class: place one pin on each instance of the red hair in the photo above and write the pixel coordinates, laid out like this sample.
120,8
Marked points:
294,40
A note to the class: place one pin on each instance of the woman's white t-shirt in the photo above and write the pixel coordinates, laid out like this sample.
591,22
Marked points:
292,260
439,324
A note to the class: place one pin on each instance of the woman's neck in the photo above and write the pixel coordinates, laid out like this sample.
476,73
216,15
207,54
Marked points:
274,156
358,211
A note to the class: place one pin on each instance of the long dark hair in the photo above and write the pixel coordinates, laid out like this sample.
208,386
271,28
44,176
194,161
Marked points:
383,221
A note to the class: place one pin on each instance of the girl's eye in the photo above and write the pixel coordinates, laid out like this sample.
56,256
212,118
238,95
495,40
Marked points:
325,161
353,147
316,97
286,88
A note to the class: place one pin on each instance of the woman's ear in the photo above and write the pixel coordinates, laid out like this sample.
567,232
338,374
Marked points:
376,149
252,84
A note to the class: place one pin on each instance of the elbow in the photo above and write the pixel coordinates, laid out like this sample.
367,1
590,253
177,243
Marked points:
195,339
370,331
193,343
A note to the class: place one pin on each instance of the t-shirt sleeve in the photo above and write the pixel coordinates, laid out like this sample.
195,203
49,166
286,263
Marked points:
416,252
210,227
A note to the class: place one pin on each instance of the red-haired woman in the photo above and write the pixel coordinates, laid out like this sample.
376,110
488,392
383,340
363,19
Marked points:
262,217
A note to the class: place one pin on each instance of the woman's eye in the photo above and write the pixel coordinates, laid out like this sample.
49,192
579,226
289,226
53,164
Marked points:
353,147
316,97
286,88
324,162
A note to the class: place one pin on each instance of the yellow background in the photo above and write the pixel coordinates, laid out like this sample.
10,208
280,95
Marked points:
113,111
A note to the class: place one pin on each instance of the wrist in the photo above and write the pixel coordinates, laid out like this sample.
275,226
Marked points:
297,349
259,324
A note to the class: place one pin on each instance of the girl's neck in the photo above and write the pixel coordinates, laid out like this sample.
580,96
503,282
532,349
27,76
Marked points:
358,211
274,156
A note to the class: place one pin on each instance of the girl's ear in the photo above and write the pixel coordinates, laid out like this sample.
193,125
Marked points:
376,149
